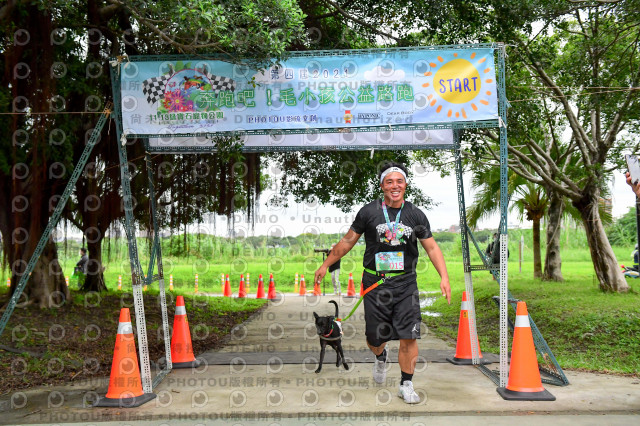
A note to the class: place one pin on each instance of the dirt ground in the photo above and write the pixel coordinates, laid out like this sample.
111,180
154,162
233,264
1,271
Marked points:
76,341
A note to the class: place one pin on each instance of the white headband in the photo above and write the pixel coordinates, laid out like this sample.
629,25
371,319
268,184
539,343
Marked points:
391,170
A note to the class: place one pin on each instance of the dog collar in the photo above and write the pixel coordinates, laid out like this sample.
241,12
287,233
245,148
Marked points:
330,332
326,336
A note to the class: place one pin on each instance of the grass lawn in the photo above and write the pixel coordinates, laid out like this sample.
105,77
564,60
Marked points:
75,342
585,328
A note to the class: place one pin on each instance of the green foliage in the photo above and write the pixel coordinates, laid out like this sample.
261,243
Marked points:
584,328
624,230
342,179
257,29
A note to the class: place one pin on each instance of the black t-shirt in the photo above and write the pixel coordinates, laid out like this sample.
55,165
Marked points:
371,222
335,266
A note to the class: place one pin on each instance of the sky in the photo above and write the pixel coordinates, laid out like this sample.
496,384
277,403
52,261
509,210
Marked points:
312,218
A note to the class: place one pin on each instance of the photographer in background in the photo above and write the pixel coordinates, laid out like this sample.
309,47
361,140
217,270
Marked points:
334,270
80,270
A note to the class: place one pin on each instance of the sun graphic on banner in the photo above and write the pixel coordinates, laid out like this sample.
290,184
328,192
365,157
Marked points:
457,85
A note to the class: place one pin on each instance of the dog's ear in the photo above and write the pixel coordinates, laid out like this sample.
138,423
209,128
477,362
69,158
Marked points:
316,315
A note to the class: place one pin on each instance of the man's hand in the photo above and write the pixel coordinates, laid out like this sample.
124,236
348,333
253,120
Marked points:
445,288
320,273
636,187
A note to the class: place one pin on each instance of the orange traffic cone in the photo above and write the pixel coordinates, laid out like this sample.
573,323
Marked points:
351,289
227,287
241,290
316,289
272,288
260,293
303,287
181,348
463,354
125,385
524,383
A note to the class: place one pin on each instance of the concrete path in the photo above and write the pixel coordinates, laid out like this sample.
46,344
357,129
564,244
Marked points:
265,374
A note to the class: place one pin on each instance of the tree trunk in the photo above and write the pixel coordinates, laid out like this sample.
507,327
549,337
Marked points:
46,286
537,263
605,264
552,261
95,271
30,178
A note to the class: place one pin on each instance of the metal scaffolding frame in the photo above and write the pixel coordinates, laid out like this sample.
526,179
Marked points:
139,279
499,122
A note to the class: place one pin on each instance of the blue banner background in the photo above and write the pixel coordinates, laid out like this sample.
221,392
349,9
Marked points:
310,93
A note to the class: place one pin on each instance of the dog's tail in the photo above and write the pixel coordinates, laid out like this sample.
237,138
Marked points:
334,302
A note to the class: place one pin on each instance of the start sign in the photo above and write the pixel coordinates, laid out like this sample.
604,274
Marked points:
310,92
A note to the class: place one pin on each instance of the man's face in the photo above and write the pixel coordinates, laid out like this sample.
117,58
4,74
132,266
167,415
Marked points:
393,185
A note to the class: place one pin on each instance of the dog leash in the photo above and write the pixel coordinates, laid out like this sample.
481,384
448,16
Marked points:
371,287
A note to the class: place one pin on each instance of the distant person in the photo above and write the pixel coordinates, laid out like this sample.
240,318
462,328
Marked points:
635,188
495,249
334,270
489,249
80,270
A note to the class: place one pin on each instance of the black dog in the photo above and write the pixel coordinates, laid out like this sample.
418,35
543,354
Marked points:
330,333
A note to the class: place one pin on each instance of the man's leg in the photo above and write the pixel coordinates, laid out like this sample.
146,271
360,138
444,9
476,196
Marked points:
408,355
377,350
334,281
380,363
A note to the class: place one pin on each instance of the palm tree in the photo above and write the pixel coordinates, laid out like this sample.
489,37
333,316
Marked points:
530,201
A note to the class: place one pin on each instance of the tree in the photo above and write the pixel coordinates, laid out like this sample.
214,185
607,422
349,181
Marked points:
579,61
605,39
623,232
528,200
55,61
343,179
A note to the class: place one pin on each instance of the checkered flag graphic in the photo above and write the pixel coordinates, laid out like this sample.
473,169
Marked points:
153,88
221,83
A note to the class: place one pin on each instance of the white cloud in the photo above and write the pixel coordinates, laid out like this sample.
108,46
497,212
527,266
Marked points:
384,74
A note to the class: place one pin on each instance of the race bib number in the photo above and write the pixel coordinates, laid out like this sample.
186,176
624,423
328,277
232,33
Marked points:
390,261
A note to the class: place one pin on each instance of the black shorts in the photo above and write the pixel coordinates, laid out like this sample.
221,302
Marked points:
392,310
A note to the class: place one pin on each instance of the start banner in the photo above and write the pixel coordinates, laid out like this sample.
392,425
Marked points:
310,92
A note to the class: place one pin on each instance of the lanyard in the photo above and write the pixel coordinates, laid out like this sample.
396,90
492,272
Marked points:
386,217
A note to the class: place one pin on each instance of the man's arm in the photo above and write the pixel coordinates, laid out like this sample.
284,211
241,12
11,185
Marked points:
437,258
343,247
635,188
